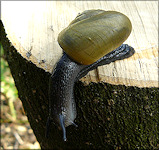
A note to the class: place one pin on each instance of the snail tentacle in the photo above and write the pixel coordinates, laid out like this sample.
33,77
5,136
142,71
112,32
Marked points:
63,126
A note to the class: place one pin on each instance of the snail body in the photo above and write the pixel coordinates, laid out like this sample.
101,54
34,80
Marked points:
87,46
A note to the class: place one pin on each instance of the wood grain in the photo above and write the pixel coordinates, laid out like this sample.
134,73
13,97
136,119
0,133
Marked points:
33,27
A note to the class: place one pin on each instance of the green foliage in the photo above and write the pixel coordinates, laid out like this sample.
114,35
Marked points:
8,90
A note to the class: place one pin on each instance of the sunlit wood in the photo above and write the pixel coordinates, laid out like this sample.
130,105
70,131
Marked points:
33,27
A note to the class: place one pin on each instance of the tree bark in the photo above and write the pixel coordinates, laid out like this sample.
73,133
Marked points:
108,116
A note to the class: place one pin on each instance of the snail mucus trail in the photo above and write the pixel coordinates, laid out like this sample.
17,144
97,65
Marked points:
92,39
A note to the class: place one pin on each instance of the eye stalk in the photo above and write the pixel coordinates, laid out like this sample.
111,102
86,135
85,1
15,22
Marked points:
62,124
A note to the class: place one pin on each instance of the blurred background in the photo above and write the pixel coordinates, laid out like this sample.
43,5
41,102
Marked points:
16,132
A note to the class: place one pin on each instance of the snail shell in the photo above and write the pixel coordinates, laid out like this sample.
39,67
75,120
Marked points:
93,34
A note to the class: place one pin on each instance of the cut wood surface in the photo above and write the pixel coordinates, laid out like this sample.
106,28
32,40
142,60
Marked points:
33,27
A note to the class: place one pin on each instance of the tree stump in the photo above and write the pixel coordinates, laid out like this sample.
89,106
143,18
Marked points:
117,104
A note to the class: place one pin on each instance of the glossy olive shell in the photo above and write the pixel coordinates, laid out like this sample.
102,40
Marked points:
93,34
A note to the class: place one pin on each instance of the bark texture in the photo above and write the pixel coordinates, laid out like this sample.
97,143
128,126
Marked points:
108,116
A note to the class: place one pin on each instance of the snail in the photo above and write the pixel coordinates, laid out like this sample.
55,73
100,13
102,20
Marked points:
92,39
